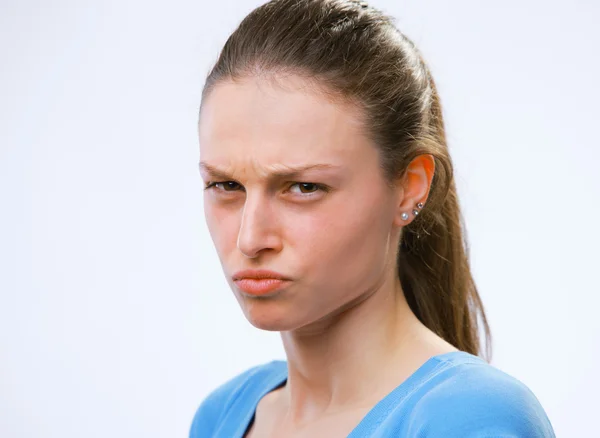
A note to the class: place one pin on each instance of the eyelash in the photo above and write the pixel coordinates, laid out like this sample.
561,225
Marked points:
319,187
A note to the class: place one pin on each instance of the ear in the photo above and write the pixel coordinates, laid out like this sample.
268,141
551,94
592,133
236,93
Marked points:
414,188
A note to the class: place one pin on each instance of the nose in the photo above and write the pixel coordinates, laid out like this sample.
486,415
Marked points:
257,228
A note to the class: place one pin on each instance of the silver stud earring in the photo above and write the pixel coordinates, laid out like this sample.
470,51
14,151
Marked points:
416,212
404,216
420,205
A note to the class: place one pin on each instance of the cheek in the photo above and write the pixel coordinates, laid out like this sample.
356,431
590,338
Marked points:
346,246
222,226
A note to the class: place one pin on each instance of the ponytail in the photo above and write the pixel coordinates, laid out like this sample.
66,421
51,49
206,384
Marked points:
433,260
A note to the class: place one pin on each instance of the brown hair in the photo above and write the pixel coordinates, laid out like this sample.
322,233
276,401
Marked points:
356,52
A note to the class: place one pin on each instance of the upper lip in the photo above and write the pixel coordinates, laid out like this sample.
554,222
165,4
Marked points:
258,274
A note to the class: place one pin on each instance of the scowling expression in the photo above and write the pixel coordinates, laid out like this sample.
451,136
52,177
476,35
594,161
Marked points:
293,185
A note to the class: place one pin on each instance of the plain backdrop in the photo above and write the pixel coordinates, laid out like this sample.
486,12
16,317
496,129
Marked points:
115,317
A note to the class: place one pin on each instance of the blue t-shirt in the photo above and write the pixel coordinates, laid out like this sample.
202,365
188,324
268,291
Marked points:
452,395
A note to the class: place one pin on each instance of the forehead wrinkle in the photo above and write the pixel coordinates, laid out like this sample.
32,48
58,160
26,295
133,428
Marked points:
268,172
275,170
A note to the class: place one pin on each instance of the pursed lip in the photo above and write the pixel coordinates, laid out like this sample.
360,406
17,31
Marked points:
258,274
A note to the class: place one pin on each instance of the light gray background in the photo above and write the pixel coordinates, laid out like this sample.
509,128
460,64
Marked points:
115,319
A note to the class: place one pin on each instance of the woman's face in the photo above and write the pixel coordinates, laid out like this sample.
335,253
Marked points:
328,229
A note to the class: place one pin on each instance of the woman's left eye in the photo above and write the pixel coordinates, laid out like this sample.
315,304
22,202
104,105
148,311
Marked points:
308,187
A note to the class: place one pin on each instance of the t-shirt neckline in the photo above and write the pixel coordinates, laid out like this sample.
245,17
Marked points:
429,369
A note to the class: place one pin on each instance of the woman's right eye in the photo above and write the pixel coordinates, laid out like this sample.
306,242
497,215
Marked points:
227,186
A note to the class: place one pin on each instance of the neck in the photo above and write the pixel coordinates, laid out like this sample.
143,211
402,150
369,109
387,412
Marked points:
356,357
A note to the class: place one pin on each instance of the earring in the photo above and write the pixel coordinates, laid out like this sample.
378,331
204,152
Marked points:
415,211
404,216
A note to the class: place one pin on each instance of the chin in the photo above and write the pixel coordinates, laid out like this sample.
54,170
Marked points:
270,317
270,323
270,326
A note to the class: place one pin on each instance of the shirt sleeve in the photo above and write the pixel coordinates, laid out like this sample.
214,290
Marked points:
497,406
208,415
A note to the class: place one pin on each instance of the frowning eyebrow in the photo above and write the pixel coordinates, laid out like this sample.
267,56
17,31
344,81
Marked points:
285,173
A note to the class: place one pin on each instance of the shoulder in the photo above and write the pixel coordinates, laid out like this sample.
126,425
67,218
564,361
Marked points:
212,409
471,398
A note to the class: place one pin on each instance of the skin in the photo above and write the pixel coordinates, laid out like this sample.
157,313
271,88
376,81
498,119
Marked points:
344,303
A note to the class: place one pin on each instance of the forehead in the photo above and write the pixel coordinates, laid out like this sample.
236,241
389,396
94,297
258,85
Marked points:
290,122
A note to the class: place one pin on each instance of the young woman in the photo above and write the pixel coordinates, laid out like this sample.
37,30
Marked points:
330,198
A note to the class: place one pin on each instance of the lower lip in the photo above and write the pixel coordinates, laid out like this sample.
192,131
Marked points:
260,287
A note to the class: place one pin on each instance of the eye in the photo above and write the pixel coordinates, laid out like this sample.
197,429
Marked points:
226,186
308,187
